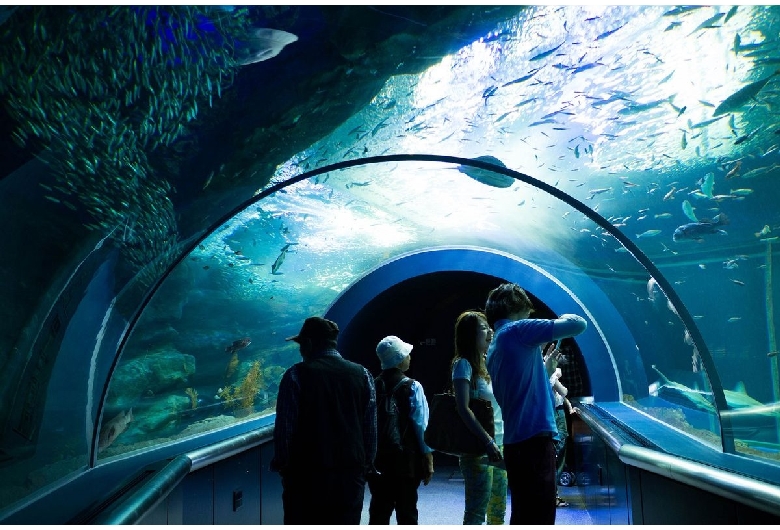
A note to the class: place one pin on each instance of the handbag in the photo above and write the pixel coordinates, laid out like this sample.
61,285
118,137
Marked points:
447,433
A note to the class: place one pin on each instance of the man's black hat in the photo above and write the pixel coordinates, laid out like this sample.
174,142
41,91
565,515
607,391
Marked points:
316,328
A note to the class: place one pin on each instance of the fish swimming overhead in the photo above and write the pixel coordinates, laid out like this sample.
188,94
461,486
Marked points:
279,260
264,44
707,184
496,180
649,233
764,231
734,102
635,108
688,211
697,231
547,53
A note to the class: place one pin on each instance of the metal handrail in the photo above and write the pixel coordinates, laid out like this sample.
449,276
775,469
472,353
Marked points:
149,495
135,507
745,490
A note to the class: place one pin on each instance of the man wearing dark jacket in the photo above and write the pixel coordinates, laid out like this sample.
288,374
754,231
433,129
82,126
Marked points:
325,431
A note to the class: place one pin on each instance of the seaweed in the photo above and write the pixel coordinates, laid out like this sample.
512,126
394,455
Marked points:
241,398
193,395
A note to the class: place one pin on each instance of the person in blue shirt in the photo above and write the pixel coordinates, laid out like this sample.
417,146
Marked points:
395,485
522,389
324,431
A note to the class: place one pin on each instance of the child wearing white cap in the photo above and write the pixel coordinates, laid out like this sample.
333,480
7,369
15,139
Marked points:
395,485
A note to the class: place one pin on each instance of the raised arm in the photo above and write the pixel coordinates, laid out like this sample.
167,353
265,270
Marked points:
568,325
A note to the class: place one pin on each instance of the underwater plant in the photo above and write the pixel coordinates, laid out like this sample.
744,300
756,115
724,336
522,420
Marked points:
241,398
230,369
193,394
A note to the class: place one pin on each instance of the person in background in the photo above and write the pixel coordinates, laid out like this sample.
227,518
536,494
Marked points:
561,406
325,431
522,388
395,485
485,484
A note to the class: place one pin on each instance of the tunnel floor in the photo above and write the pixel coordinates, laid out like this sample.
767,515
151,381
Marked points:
441,502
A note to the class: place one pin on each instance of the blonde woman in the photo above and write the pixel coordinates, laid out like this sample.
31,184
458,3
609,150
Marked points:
485,485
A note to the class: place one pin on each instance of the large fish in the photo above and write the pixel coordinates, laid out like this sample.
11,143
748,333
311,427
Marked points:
497,180
735,101
238,344
116,426
740,404
264,44
697,231
680,394
280,259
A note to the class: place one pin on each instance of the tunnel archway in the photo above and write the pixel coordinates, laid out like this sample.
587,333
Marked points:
391,299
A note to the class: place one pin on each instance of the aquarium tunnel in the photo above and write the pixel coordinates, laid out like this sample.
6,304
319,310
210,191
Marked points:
182,186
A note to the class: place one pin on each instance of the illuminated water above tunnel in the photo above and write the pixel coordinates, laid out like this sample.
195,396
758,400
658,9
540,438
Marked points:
655,117
623,98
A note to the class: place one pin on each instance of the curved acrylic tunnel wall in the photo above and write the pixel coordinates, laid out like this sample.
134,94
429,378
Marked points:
135,325
345,232
207,349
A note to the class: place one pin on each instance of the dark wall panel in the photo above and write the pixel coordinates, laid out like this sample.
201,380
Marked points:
198,497
618,490
175,507
237,489
271,509
158,515
665,501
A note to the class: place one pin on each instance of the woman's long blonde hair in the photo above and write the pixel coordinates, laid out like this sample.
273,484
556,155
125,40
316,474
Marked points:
466,329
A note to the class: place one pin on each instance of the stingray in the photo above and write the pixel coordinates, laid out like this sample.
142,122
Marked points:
263,44
490,178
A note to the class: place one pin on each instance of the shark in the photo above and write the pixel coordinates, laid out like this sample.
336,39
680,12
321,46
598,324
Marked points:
680,394
739,403
263,44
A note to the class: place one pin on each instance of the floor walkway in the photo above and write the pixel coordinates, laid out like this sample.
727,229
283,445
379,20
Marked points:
441,502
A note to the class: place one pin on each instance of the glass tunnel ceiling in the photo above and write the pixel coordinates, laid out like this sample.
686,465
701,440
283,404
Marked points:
611,114
648,118
643,131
